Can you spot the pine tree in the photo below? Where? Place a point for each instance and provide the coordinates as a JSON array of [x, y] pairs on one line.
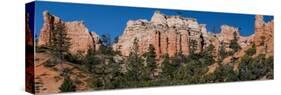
[[150, 60], [251, 51], [67, 85], [103, 70], [91, 60], [168, 68], [208, 54], [234, 43], [255, 68], [59, 43], [222, 52], [135, 64]]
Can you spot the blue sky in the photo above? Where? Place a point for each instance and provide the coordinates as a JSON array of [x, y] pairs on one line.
[[113, 19]]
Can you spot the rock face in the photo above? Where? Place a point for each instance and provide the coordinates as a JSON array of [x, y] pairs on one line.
[[168, 34], [174, 34], [80, 38], [263, 36], [226, 35]]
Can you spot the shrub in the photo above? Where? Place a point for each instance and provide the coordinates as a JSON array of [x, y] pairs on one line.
[[67, 85], [74, 58], [255, 68], [51, 62], [234, 44], [251, 51]]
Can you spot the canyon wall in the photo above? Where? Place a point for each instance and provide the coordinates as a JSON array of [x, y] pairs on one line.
[[80, 38], [169, 35], [175, 34]]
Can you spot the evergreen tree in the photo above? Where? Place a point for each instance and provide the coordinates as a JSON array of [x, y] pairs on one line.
[[91, 60], [222, 52], [104, 71], [60, 42], [224, 73], [234, 43], [67, 85], [251, 51], [244, 69], [255, 68], [169, 69], [207, 55], [150, 60], [181, 73], [136, 67]]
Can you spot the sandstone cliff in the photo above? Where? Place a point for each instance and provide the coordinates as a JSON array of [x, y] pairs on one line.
[[168, 34], [263, 36], [174, 34], [80, 38]]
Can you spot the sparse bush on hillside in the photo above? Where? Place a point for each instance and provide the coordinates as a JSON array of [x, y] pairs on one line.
[[67, 85], [234, 43], [223, 73], [255, 68], [251, 51], [75, 58], [51, 62]]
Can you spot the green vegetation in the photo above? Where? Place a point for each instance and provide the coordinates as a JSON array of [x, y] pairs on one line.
[[151, 64], [234, 44], [74, 58], [255, 68], [59, 43], [107, 69], [102, 66], [251, 51], [135, 65], [223, 73], [67, 85], [222, 52]]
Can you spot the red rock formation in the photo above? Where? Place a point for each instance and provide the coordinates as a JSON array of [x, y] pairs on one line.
[[172, 34], [81, 38], [263, 36], [168, 34], [226, 35]]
